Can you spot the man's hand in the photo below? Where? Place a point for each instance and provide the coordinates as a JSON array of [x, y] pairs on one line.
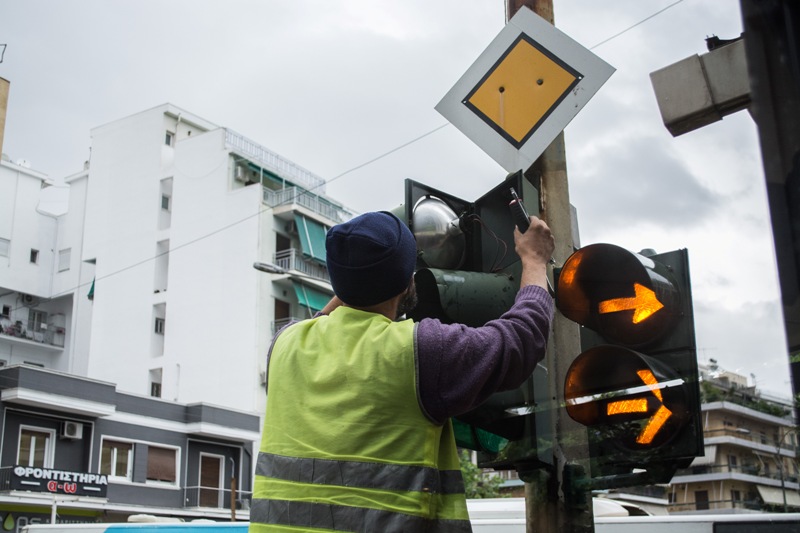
[[535, 249]]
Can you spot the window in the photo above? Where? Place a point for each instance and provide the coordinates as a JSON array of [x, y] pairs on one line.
[[5, 244], [169, 138], [34, 256], [35, 447], [165, 199], [155, 376], [6, 311], [37, 320], [161, 464], [116, 459], [159, 326], [736, 496], [732, 462], [63, 259]]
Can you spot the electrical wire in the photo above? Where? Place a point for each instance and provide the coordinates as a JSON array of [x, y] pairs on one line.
[[311, 190], [637, 24]]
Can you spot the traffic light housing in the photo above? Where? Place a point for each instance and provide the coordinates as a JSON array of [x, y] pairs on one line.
[[468, 273], [635, 384]]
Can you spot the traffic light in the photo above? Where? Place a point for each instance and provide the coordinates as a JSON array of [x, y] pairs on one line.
[[635, 384], [468, 273]]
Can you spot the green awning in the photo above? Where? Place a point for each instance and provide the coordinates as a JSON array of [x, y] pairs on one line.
[[91, 292], [314, 299], [312, 237]]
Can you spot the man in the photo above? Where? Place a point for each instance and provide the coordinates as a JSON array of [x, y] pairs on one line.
[[357, 434]]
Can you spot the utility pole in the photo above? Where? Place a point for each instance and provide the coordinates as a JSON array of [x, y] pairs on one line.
[[4, 86], [557, 499]]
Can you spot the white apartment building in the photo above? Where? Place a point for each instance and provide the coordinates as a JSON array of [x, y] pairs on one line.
[[163, 227]]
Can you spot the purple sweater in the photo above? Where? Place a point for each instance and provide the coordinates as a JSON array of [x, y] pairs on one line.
[[459, 366]]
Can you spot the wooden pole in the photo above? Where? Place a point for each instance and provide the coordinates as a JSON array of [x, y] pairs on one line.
[[554, 499], [4, 87]]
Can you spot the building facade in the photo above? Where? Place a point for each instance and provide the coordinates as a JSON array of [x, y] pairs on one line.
[[136, 318], [77, 450], [750, 460]]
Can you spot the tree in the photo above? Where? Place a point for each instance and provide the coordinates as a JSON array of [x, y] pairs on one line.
[[476, 483]]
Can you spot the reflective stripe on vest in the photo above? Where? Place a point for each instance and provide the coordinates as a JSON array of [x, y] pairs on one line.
[[360, 474], [350, 519]]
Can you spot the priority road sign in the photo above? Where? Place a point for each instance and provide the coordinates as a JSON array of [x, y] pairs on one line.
[[523, 90]]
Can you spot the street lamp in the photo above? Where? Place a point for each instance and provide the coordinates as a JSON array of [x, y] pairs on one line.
[[269, 268]]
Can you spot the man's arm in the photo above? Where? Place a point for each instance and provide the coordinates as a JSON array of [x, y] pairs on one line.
[[460, 367]]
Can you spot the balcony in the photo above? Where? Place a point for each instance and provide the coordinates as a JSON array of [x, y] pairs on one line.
[[745, 437], [271, 161], [749, 473], [281, 322], [216, 498], [51, 338], [296, 197], [293, 260]]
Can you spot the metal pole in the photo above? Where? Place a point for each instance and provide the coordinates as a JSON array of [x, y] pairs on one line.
[[555, 500]]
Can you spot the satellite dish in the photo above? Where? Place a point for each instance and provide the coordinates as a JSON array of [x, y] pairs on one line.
[[439, 238]]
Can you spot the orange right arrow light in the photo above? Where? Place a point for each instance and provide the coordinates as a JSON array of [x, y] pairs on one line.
[[643, 304], [639, 405]]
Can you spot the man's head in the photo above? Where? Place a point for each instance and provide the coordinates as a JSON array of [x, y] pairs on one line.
[[371, 258]]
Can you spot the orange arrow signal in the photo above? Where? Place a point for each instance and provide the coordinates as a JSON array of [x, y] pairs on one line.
[[644, 304], [639, 405]]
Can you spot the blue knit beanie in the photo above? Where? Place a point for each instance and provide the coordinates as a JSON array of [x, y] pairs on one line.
[[371, 258]]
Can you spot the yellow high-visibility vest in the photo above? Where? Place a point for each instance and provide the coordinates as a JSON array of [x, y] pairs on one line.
[[346, 445]]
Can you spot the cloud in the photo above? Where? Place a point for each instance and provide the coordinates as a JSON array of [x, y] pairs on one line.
[[640, 182]]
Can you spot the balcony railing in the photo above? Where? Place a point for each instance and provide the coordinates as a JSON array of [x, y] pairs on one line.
[[216, 498], [749, 504], [294, 196], [292, 259], [270, 160], [748, 436], [52, 336], [753, 470], [281, 322]]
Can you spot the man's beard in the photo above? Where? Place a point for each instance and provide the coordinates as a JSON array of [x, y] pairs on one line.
[[409, 301]]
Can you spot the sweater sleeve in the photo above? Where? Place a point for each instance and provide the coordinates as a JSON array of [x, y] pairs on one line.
[[460, 367]]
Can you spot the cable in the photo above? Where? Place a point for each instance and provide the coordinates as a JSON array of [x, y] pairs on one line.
[[311, 190], [301, 192], [638, 23]]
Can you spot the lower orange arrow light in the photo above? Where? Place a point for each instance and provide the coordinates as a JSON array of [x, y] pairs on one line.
[[639, 405], [643, 304]]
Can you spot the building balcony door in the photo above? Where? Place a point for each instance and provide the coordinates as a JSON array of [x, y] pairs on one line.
[[211, 474]]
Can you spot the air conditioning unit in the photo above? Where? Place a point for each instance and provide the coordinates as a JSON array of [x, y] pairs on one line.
[[71, 430], [291, 227], [28, 299], [240, 174]]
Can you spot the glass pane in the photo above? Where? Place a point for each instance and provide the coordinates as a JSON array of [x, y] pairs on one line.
[[24, 454], [105, 459], [123, 459], [33, 447]]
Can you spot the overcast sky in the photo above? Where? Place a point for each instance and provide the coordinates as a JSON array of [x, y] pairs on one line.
[[332, 85]]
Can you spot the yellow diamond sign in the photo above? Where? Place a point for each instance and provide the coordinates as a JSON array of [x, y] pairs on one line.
[[518, 93], [523, 90]]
